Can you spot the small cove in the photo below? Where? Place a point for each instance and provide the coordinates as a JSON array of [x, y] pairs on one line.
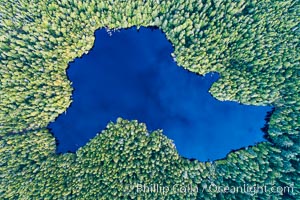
[[132, 75]]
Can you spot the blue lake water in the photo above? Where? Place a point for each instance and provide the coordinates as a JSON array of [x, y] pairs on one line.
[[132, 75]]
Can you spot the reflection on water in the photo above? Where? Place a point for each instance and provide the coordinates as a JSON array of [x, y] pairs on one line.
[[132, 75]]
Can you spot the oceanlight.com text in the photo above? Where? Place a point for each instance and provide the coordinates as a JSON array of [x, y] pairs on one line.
[[249, 189], [213, 188]]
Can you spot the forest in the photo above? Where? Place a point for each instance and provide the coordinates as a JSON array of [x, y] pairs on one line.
[[253, 45]]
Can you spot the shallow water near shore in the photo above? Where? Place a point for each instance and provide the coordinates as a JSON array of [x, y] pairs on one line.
[[131, 74]]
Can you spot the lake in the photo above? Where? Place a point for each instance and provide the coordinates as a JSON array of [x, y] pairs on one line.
[[131, 74]]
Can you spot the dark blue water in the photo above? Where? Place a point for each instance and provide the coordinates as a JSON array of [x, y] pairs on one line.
[[132, 75]]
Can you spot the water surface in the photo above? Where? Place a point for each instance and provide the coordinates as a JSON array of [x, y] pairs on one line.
[[131, 74]]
